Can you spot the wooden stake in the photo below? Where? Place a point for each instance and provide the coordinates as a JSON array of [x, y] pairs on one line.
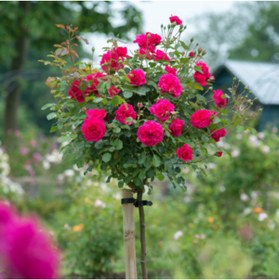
[[129, 237]]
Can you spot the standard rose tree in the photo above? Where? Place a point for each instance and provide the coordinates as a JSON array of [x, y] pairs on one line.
[[141, 114]]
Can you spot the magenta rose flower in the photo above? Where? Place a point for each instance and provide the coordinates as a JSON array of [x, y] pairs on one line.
[[169, 83], [185, 153], [26, 251], [217, 134], [176, 127], [113, 59], [161, 55], [170, 70], [137, 77], [93, 82], [191, 54], [204, 75], [150, 133], [176, 20], [202, 118], [113, 90], [219, 98], [93, 129], [162, 109], [125, 111], [148, 41], [96, 113], [75, 92]]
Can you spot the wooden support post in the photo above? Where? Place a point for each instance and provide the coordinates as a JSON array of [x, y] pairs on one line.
[[129, 237]]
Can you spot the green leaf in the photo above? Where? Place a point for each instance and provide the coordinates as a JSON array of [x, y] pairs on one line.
[[116, 100], [160, 176], [48, 105], [106, 157], [127, 94], [51, 116], [156, 161], [118, 144], [98, 100]]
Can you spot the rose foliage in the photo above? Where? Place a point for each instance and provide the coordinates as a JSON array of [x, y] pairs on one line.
[[139, 115]]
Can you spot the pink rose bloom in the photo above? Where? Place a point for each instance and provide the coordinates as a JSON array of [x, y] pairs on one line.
[[93, 129], [217, 134], [75, 92], [96, 113], [170, 70], [93, 82], [148, 41], [137, 77], [176, 20], [125, 111], [219, 99], [113, 91], [147, 53], [162, 109], [150, 133], [26, 251], [176, 127], [219, 154], [191, 54], [202, 118], [160, 55], [185, 153], [201, 78], [171, 84], [113, 59]]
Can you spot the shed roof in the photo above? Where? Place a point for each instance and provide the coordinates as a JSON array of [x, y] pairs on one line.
[[261, 78]]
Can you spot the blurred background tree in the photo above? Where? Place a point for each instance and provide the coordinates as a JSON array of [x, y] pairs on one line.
[[249, 32], [27, 30]]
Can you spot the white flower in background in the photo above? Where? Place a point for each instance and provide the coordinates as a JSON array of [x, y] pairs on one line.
[[7, 185], [222, 188], [262, 217], [254, 141], [239, 136], [211, 166], [224, 145], [235, 153], [265, 149], [261, 135], [69, 173], [99, 203], [254, 195], [200, 236], [46, 164], [178, 234], [244, 197], [54, 157], [247, 211], [271, 224], [117, 196]]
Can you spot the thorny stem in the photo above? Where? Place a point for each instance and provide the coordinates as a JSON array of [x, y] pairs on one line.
[[142, 236]]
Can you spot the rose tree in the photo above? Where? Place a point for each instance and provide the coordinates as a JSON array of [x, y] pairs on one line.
[[143, 114]]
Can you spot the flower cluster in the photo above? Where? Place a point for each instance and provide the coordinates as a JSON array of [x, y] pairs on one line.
[[146, 113], [25, 250]]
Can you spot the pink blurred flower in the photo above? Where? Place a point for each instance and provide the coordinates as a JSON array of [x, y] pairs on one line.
[[26, 251], [150, 133], [203, 75], [169, 83], [137, 77], [176, 20], [162, 109], [125, 111]]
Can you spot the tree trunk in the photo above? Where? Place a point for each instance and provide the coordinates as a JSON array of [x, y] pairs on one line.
[[17, 64], [129, 237], [142, 237]]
